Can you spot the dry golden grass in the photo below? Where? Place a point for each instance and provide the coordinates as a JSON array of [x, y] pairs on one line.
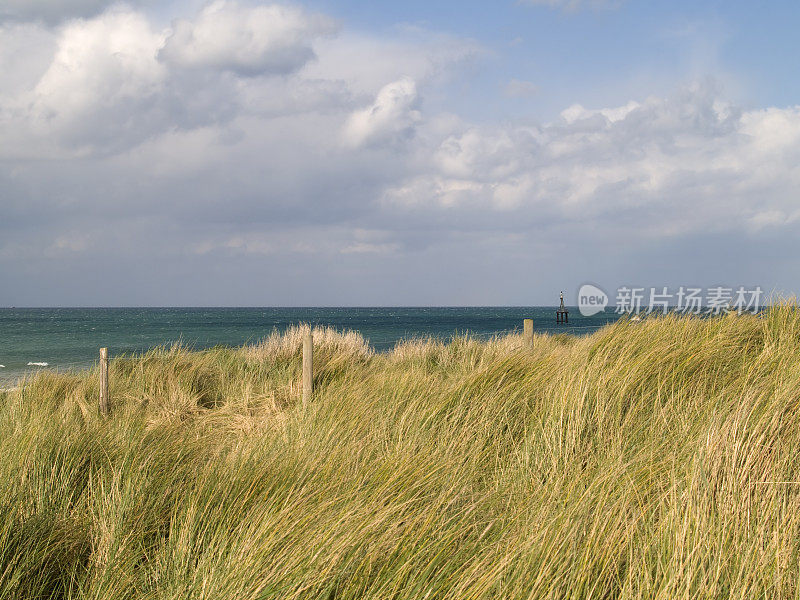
[[655, 459]]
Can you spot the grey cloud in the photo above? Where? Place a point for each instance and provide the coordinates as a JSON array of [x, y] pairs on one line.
[[55, 11], [243, 184]]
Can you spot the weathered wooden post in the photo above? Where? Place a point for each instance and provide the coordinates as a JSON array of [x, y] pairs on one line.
[[105, 402], [527, 333], [308, 367]]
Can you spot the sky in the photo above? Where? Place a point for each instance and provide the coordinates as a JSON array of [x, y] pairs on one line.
[[343, 153]]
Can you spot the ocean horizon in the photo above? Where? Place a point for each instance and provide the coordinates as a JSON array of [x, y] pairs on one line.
[[32, 339]]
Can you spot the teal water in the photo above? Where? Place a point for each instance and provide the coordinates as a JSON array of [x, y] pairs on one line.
[[69, 338]]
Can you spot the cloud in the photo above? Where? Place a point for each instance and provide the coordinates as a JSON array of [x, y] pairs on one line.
[[671, 166], [576, 112], [117, 79], [55, 11], [26, 51], [390, 119], [104, 82], [576, 5], [518, 88], [265, 39], [365, 63], [253, 143]]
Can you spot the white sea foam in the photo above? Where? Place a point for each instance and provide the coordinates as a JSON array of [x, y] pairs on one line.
[[38, 364], [2, 366]]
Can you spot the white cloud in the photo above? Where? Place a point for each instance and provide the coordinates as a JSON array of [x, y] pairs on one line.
[[518, 88], [576, 112], [487, 155], [678, 165], [112, 81], [574, 5], [369, 248], [104, 78], [391, 118], [264, 39]]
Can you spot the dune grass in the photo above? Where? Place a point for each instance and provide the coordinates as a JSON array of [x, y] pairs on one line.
[[656, 459]]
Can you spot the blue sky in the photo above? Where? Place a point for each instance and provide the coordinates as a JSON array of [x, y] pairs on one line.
[[243, 152], [603, 55]]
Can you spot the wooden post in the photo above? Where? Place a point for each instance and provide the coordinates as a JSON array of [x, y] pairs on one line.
[[105, 402], [527, 333], [308, 367]]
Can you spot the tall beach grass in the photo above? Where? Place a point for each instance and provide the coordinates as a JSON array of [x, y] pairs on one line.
[[655, 459]]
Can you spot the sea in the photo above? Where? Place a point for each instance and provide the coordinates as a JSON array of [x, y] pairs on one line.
[[32, 339]]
